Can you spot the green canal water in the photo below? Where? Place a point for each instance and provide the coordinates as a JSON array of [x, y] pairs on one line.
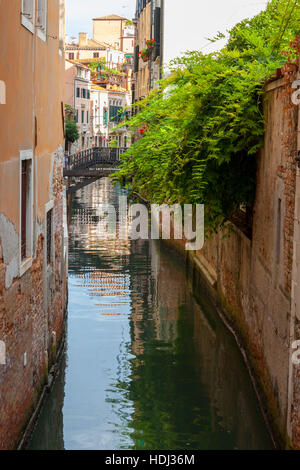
[[146, 366]]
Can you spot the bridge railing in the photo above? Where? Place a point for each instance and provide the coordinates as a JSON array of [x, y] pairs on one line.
[[90, 157]]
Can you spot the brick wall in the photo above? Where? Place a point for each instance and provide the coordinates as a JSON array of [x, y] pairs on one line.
[[30, 311]]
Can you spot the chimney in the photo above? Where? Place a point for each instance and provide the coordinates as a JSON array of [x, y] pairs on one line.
[[82, 39]]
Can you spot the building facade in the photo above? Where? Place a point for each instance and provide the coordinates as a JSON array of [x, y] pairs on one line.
[[90, 50], [78, 96], [147, 61], [118, 32], [33, 237], [109, 110], [100, 115], [119, 100]]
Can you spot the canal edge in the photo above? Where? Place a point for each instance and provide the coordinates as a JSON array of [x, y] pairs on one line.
[[51, 377], [192, 264]]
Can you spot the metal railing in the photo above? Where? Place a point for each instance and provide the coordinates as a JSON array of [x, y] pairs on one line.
[[94, 156]]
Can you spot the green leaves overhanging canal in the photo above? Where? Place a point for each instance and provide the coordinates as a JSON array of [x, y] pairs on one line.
[[201, 129]]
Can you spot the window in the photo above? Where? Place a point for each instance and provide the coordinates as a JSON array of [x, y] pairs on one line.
[[105, 116], [88, 94], [77, 92], [26, 210], [27, 15], [76, 117], [96, 55], [41, 21], [83, 93], [71, 56], [82, 117], [87, 117], [49, 236]]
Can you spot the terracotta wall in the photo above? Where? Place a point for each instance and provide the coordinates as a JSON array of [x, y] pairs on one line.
[[32, 298]]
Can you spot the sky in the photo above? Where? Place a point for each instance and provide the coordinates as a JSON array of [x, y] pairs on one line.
[[188, 28], [187, 23], [81, 12]]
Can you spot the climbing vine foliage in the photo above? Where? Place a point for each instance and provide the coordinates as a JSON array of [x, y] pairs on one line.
[[201, 129]]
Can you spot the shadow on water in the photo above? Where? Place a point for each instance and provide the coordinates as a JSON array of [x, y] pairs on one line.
[[146, 366]]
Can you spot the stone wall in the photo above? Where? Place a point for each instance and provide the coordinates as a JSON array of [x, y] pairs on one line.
[[253, 277]]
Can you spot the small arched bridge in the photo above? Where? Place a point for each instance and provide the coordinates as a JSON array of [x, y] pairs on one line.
[[84, 167]]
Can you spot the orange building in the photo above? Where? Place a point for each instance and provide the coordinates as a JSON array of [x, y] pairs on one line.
[[33, 237]]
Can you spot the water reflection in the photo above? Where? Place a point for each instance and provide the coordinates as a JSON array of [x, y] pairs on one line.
[[148, 367]]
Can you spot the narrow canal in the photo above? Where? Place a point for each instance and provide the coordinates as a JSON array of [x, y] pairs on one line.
[[146, 365]]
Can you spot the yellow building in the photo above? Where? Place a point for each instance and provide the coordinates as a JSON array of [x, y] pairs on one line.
[[90, 50], [118, 32], [33, 238], [86, 49]]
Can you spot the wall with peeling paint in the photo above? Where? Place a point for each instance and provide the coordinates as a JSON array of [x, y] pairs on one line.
[[32, 299]]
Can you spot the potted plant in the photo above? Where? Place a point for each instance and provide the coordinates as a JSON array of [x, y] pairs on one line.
[[146, 53]]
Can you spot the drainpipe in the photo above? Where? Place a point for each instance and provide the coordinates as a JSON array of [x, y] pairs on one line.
[[295, 295]]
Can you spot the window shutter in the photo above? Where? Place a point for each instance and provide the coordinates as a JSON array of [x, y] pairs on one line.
[[28, 9], [136, 59], [49, 236], [42, 15], [24, 208], [61, 24], [157, 25]]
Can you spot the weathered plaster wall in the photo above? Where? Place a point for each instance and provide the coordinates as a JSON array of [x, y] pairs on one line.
[[143, 33], [253, 278], [108, 31], [32, 303], [294, 382]]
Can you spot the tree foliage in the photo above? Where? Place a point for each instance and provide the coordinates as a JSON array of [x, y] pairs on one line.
[[204, 125], [72, 133]]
